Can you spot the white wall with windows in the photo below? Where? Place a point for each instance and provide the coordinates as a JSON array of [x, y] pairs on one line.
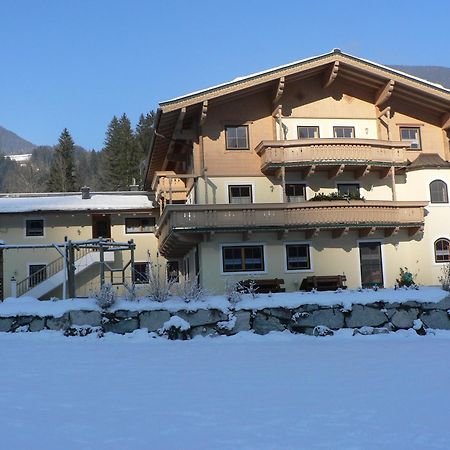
[[363, 128]]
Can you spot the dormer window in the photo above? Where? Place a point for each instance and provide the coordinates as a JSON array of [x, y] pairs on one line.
[[344, 132], [411, 135], [236, 137]]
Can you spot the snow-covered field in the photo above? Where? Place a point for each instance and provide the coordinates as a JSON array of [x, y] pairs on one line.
[[279, 391]]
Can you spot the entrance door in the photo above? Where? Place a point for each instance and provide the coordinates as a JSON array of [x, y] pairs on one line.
[[101, 226], [371, 264]]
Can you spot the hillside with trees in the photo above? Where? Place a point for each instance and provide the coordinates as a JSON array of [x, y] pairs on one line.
[[67, 167]]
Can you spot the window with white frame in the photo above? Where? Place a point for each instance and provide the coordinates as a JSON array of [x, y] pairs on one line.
[[438, 192], [411, 135], [34, 227], [295, 192], [236, 137], [307, 132], [344, 132], [297, 257], [243, 258], [442, 250], [241, 193]]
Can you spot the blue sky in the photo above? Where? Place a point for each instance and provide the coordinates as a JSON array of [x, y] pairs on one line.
[[77, 63]]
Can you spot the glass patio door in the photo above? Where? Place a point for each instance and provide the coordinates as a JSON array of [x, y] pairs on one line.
[[371, 264]]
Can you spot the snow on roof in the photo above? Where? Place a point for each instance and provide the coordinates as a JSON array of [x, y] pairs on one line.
[[300, 61], [99, 202]]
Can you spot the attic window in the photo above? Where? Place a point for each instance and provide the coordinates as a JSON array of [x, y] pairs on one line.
[[236, 137], [411, 135]]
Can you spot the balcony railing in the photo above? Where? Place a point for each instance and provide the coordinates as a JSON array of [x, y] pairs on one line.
[[172, 187], [323, 215], [353, 153]]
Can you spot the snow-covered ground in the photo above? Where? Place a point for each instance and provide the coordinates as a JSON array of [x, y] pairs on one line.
[[279, 391]]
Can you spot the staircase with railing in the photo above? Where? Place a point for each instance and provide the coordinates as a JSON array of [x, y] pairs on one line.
[[52, 275]]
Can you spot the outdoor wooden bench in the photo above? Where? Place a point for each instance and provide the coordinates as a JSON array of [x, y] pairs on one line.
[[324, 283], [264, 286]]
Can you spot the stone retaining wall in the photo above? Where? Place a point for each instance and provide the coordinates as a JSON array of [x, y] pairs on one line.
[[303, 319]]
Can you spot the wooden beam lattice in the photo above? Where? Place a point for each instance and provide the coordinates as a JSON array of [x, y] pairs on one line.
[[331, 74], [385, 93]]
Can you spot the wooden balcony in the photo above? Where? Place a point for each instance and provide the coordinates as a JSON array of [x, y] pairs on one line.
[[171, 187], [183, 226], [361, 156]]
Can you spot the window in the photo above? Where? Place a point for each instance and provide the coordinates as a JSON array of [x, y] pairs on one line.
[[37, 274], [411, 135], [307, 132], [295, 193], [442, 250], [297, 257], [344, 132], [140, 273], [249, 258], [236, 137], [438, 192], [240, 194], [139, 224], [173, 271], [350, 190], [34, 227]]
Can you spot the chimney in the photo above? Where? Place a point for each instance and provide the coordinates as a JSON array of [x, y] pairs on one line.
[[133, 186], [85, 193]]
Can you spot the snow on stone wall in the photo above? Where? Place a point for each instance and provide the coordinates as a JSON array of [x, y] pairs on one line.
[[368, 318]]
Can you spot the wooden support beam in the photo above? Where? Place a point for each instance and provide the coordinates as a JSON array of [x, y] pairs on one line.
[[279, 91], [384, 172], [331, 74], [388, 232], [385, 112], [365, 232], [176, 130], [246, 235], [414, 230], [339, 232], [309, 234], [359, 173], [335, 171], [185, 135], [384, 93], [204, 113], [446, 121], [310, 171], [282, 234]]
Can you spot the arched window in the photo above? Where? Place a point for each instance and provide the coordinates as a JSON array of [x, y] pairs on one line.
[[442, 250], [438, 192]]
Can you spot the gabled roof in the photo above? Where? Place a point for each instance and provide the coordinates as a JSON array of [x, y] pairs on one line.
[[298, 66], [377, 78]]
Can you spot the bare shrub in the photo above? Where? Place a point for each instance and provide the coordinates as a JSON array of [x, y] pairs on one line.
[[444, 279], [106, 296], [190, 290]]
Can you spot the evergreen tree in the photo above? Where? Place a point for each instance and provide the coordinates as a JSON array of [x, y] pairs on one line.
[[121, 155], [144, 134], [62, 172]]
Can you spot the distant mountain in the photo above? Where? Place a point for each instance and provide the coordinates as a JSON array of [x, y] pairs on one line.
[[10, 143], [434, 74]]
